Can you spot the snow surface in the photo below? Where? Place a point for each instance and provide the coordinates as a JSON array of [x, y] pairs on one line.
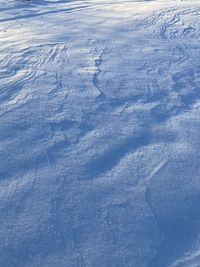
[[99, 133]]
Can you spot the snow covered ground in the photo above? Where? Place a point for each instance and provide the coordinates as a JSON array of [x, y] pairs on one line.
[[99, 133]]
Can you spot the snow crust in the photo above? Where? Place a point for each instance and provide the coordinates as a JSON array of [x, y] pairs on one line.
[[99, 133]]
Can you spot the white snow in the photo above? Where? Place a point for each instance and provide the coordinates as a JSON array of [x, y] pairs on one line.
[[99, 133]]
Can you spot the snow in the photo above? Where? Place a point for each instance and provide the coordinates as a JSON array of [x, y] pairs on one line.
[[99, 133]]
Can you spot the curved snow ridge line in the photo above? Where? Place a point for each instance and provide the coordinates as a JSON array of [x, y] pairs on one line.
[[171, 93], [45, 57], [191, 259], [58, 53], [152, 19], [175, 27], [112, 155], [107, 155], [25, 72], [13, 85], [97, 64], [158, 168], [16, 77], [182, 50], [51, 61], [181, 61], [163, 23]]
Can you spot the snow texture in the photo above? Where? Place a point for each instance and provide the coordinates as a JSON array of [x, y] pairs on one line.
[[99, 133]]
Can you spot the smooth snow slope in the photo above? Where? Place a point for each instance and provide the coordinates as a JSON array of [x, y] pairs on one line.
[[99, 133]]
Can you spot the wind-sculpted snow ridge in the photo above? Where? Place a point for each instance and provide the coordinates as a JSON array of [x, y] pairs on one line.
[[99, 133]]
